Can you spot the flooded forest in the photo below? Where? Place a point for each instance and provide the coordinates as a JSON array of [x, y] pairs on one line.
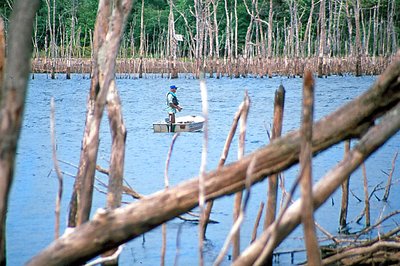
[[209, 39]]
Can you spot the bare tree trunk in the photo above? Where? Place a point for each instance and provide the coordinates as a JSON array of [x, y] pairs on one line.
[[211, 48], [393, 35], [345, 194], [200, 29], [53, 42], [322, 39], [337, 31], [279, 104], [307, 32], [366, 197], [371, 141], [88, 157], [307, 217], [12, 100], [376, 25], [172, 41], [71, 39], [106, 50], [142, 41], [118, 134], [228, 51], [359, 51], [216, 35], [350, 27], [270, 30], [247, 42], [236, 30]]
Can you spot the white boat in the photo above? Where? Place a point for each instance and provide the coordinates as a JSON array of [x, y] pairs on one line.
[[189, 123]]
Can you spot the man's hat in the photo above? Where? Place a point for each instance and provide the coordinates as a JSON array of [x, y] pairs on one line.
[[173, 87]]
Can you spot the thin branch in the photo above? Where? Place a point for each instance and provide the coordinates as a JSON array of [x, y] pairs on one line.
[[166, 184], [240, 217], [202, 191], [389, 181], [56, 167]]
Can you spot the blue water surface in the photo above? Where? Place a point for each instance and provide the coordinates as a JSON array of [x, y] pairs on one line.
[[31, 217]]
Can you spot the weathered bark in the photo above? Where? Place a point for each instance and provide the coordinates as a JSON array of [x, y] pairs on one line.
[[239, 195], [88, 169], [359, 50], [371, 141], [307, 33], [126, 223], [279, 104], [216, 31], [389, 181], [249, 32], [118, 134], [108, 43], [52, 27], [270, 30], [172, 42], [345, 195], [273, 180], [142, 40], [350, 27], [366, 197], [307, 217], [12, 96], [322, 39], [228, 51], [376, 250]]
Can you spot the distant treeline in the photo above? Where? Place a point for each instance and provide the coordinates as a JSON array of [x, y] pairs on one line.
[[227, 29]]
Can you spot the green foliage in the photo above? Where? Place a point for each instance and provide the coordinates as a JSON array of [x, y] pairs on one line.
[[156, 14]]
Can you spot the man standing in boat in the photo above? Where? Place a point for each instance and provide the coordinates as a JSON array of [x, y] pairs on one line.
[[172, 103]]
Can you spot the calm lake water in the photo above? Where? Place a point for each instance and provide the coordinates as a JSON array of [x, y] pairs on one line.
[[30, 224]]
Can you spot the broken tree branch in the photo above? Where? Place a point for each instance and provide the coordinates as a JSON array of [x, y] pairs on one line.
[[371, 141]]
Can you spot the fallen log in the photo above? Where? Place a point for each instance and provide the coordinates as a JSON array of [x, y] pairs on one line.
[[109, 229], [372, 140]]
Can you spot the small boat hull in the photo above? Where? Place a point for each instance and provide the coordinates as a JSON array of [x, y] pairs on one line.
[[190, 123]]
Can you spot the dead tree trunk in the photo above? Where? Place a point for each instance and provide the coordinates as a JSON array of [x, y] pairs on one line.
[[345, 195], [172, 42], [270, 30], [307, 198], [118, 134], [307, 33], [12, 100], [359, 51], [90, 139], [107, 45], [142, 41], [270, 215], [322, 39], [276, 133], [372, 140]]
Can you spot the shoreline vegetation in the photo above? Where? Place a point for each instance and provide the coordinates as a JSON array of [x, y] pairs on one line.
[[217, 68]]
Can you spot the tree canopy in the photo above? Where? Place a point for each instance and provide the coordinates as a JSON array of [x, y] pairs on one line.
[[228, 28]]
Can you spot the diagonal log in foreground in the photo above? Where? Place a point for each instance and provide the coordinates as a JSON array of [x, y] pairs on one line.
[[109, 229], [278, 231]]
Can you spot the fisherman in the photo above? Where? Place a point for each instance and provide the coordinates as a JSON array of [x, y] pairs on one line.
[[172, 103]]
